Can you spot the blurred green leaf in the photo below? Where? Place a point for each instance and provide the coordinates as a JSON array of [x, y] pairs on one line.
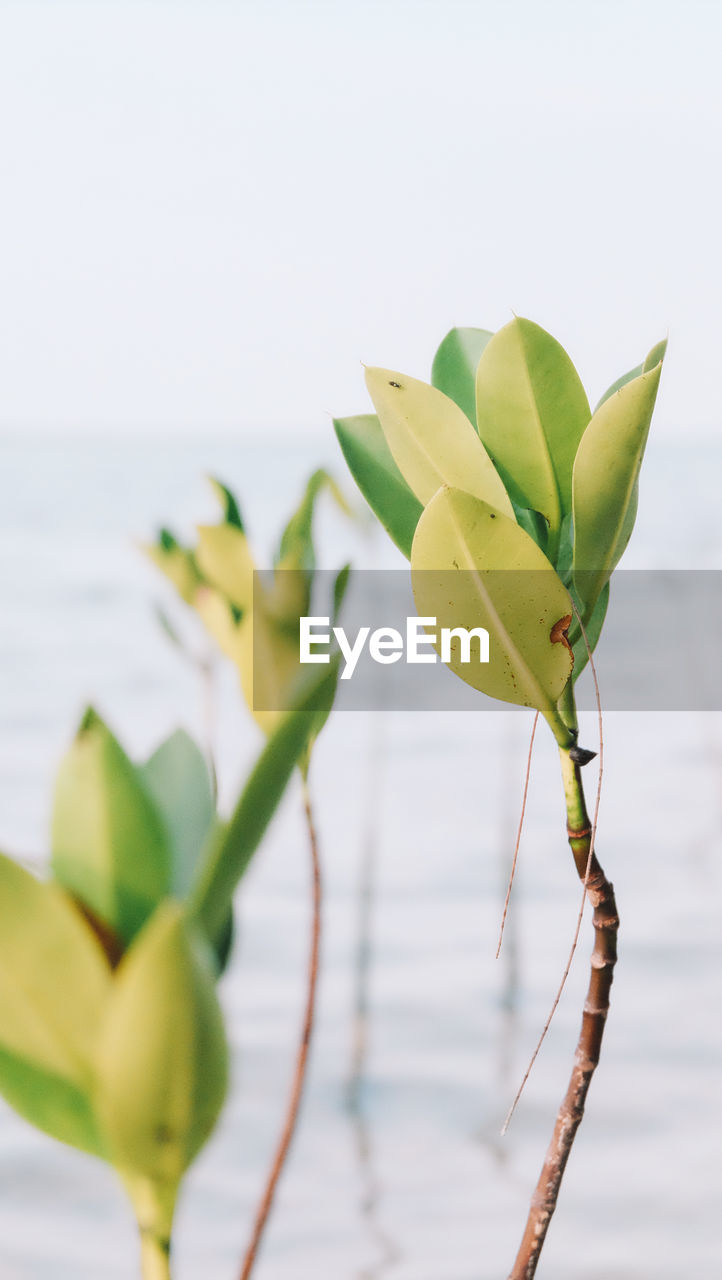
[[432, 441], [296, 550], [606, 483], [230, 854], [171, 632], [177, 779], [373, 468], [229, 505], [176, 562], [455, 364], [531, 413], [50, 1102], [340, 587], [473, 567], [162, 1059], [225, 560], [110, 848], [54, 980]]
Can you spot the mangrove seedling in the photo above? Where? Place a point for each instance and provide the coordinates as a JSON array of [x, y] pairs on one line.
[[111, 1035], [514, 503], [254, 618]]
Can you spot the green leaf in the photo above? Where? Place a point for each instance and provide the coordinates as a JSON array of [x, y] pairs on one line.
[[606, 482], [296, 550], [177, 563], [177, 779], [230, 855], [162, 1059], [432, 441], [531, 414], [373, 468], [455, 365], [619, 383], [473, 567], [593, 627], [110, 848], [54, 980], [655, 356], [50, 1102], [231, 509], [340, 587]]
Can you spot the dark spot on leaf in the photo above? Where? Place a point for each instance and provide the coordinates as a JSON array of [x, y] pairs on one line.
[[396, 384]]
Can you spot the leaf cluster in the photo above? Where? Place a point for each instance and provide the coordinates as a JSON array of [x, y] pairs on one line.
[[496, 470], [253, 616], [111, 1034]]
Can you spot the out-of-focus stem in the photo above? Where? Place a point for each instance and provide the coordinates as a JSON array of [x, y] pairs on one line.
[[153, 1206], [299, 1074]]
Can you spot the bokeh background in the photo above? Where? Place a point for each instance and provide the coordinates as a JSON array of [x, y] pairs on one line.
[[211, 213]]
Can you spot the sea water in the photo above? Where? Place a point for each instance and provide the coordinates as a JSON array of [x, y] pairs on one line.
[[398, 1169]]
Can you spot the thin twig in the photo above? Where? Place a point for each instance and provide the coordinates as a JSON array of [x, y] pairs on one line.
[[518, 837], [207, 670], [299, 1074], [580, 913], [596, 1006], [388, 1251]]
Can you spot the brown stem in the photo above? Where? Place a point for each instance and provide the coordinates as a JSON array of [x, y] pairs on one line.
[[596, 1006], [299, 1074]]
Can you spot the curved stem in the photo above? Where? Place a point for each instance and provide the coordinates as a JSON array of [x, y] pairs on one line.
[[596, 1006], [154, 1258], [299, 1075], [153, 1205]]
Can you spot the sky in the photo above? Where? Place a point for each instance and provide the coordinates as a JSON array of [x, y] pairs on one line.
[[213, 212]]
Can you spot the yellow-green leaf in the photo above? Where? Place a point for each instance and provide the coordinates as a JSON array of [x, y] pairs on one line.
[[162, 1059], [432, 440], [176, 562], [653, 358], [110, 846], [225, 560], [473, 567], [606, 481], [531, 413], [54, 980]]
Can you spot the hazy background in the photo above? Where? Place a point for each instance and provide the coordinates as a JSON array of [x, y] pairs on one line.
[[213, 211]]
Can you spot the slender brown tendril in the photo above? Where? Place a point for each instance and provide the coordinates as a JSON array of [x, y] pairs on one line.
[[518, 837], [580, 913], [299, 1074]]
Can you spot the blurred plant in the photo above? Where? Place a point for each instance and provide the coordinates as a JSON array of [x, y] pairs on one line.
[[254, 618], [111, 1034], [514, 503]]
